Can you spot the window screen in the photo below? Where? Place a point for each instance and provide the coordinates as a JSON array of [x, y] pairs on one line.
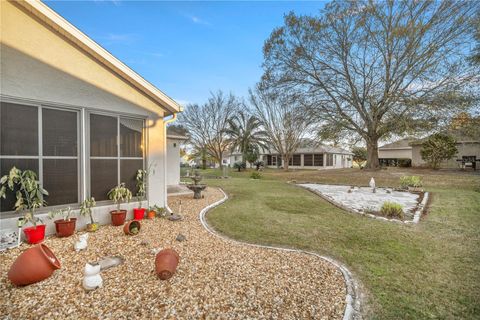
[[308, 160], [59, 132], [318, 159], [297, 160], [19, 130], [60, 179], [109, 164]]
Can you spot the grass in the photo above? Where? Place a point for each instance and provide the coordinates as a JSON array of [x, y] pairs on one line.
[[427, 271]]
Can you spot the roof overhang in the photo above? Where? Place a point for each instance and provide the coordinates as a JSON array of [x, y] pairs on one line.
[[62, 26]]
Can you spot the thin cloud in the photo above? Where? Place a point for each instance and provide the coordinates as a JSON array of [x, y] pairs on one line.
[[115, 2], [183, 103], [198, 20]]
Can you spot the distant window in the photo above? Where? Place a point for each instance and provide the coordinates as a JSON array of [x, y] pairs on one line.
[[318, 159], [330, 157], [297, 160], [308, 160]]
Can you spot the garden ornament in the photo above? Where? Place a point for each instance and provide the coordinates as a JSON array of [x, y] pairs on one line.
[[372, 185], [81, 244], [92, 279]]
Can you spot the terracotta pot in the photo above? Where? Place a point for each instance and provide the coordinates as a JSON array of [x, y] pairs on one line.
[[151, 214], [36, 234], [138, 213], [129, 227], [65, 228], [118, 217], [166, 263], [92, 227], [33, 265]]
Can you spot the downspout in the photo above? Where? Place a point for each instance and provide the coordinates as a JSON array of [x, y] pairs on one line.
[[165, 122]]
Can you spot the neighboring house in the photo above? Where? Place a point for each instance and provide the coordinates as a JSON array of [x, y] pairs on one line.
[[74, 114], [175, 137], [394, 153], [468, 151], [318, 157], [409, 149]]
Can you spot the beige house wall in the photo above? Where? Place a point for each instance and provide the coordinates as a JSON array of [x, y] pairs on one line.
[[395, 153], [464, 149]]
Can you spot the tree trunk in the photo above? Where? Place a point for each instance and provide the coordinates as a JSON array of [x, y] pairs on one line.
[[372, 154], [285, 162], [204, 163]]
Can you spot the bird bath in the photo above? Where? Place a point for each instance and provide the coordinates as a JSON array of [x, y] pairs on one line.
[[196, 187]]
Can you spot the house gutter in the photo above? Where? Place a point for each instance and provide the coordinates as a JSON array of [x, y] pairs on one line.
[[172, 118]]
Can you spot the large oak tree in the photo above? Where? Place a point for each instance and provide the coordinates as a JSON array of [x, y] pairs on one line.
[[375, 68]]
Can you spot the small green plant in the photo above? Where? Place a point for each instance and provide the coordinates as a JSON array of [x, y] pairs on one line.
[[239, 165], [86, 208], [141, 185], [392, 210], [255, 175], [65, 213], [411, 181], [159, 211], [28, 192], [120, 194]]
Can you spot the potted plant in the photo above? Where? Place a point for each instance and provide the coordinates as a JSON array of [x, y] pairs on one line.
[[64, 227], [86, 210], [29, 195], [118, 195], [411, 183], [132, 227], [156, 211], [139, 213]]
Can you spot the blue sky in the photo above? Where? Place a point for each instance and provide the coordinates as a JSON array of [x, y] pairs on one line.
[[186, 49]]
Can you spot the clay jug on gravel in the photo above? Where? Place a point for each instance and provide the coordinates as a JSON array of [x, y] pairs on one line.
[[166, 263], [33, 265]]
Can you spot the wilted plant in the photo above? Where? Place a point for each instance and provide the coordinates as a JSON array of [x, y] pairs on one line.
[[120, 194]]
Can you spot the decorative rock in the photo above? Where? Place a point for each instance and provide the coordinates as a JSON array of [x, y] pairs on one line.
[[175, 217], [180, 237], [81, 244], [92, 279], [109, 262], [145, 243]]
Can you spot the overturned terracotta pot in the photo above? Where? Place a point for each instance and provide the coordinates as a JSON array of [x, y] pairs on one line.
[[166, 263], [132, 227], [33, 265]]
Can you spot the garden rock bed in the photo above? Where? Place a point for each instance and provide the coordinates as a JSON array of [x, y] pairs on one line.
[[215, 278], [362, 200]]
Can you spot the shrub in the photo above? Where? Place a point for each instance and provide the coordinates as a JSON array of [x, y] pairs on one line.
[[239, 165], [392, 210], [255, 175], [410, 181], [438, 147]]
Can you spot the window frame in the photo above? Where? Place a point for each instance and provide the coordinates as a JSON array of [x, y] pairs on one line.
[[119, 158], [40, 157]]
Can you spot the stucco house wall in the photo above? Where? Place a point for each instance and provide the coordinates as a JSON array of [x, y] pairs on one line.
[[41, 66], [464, 149], [403, 153], [173, 161]]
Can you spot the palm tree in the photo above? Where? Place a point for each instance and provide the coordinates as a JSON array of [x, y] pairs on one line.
[[246, 134]]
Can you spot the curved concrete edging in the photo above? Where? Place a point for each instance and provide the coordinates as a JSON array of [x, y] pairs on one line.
[[352, 300]]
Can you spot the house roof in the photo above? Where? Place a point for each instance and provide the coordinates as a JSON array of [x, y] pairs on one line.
[[458, 135], [102, 56], [400, 144], [175, 132]]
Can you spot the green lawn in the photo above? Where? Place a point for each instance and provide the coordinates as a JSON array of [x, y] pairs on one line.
[[430, 270]]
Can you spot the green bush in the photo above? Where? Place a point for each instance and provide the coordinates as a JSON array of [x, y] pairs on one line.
[[392, 210], [239, 165], [255, 175], [410, 181]]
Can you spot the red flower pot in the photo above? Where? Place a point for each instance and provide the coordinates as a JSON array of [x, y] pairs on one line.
[[166, 263], [138, 213], [151, 214], [36, 234], [65, 228], [33, 265], [118, 217], [129, 227]]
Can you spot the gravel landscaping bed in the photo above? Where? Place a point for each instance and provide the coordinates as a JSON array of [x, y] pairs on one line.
[[215, 278]]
